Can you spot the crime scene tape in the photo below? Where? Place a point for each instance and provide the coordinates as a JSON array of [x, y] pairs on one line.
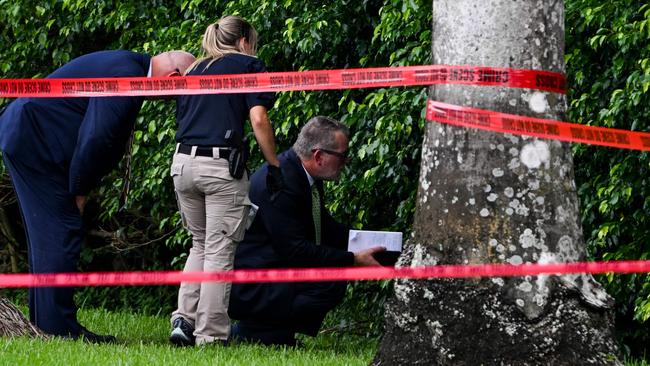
[[317, 274], [285, 81], [341, 79], [550, 129]]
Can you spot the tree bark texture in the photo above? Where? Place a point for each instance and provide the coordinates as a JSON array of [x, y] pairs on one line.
[[497, 198], [14, 324]]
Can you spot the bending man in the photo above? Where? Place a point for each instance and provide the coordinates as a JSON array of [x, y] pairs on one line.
[[56, 150]]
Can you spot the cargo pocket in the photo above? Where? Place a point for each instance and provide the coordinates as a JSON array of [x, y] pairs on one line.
[[176, 172], [180, 211], [176, 169], [233, 223]]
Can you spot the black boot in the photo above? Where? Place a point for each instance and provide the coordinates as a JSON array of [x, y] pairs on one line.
[[90, 337]]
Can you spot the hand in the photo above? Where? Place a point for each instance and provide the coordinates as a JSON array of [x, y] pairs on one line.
[[81, 203], [365, 258], [274, 181]]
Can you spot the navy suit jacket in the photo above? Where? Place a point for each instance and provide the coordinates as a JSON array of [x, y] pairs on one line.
[[84, 138], [282, 236]]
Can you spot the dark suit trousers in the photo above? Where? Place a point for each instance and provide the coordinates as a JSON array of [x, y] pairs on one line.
[[54, 233], [309, 306], [312, 303]]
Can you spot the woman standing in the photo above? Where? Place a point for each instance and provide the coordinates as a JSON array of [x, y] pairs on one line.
[[209, 176]]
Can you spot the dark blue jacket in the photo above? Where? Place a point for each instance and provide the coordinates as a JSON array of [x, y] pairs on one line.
[[282, 236], [82, 137]]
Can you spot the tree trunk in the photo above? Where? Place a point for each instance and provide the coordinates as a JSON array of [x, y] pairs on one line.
[[13, 323], [497, 198]]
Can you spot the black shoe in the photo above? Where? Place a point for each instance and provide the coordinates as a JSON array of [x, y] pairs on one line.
[[90, 337], [182, 333]]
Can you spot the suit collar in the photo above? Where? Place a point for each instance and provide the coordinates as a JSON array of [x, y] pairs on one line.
[[310, 179]]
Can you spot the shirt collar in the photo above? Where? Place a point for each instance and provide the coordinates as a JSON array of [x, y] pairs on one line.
[[309, 177]]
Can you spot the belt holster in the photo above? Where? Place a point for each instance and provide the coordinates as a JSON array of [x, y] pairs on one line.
[[237, 160]]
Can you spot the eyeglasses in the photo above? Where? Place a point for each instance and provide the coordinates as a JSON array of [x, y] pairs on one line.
[[342, 156]]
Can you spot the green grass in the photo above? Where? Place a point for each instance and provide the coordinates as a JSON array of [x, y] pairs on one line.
[[142, 340], [636, 362]]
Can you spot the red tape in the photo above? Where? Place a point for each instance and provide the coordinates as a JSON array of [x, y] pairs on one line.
[[285, 81], [342, 79], [550, 129], [317, 274]]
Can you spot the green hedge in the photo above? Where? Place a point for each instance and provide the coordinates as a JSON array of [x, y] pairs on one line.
[[378, 189], [608, 59]]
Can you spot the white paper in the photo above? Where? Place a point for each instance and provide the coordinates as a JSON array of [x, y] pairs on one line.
[[251, 215], [363, 239]]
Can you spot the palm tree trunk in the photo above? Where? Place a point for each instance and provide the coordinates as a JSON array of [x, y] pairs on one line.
[[495, 198]]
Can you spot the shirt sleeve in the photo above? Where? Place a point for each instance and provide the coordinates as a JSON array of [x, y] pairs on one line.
[[254, 99], [102, 139]]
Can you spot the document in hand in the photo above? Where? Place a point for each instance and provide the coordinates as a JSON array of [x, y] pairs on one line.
[[363, 239]]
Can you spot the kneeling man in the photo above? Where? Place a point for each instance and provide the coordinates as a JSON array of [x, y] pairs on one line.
[[293, 229]]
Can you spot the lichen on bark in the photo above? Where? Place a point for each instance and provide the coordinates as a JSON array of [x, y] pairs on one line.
[[497, 198]]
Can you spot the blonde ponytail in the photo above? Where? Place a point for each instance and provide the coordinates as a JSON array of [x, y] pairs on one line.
[[222, 38]]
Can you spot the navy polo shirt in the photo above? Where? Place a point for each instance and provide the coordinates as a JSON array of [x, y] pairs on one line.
[[203, 120]]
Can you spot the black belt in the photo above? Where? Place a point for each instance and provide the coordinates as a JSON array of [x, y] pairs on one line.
[[224, 153]]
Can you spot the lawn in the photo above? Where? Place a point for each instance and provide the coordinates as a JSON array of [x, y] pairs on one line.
[[142, 340]]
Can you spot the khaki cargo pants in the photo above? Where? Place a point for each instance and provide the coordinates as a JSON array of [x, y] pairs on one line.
[[214, 208]]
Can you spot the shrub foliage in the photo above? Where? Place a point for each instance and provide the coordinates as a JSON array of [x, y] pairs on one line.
[[608, 58], [608, 62]]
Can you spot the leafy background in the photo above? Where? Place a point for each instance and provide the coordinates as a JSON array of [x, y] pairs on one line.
[[608, 60]]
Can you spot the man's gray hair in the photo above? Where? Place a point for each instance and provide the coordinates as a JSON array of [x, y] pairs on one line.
[[319, 132]]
